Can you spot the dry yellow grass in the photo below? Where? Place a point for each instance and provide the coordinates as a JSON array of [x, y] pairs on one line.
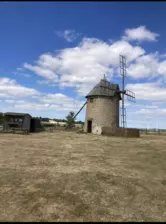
[[64, 176]]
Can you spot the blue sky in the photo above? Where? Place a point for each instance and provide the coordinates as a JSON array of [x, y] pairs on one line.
[[53, 53]]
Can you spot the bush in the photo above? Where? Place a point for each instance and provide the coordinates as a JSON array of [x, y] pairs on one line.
[[70, 119]]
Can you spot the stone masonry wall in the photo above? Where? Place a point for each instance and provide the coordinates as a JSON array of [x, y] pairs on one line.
[[121, 132], [103, 112]]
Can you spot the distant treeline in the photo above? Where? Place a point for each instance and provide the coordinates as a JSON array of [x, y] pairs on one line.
[[152, 129], [2, 118], [58, 120]]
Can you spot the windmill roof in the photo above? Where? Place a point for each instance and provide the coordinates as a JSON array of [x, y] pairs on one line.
[[104, 88]]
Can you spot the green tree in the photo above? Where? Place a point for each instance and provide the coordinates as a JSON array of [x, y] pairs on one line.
[[70, 119], [1, 117]]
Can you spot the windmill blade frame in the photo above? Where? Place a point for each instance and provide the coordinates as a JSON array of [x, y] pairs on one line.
[[130, 96]]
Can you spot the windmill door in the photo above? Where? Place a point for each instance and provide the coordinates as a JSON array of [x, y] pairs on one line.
[[89, 126]]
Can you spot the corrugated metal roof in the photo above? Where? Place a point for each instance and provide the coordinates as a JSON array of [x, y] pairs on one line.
[[104, 88], [16, 114]]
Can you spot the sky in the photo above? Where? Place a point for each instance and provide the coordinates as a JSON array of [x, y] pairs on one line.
[[53, 53]]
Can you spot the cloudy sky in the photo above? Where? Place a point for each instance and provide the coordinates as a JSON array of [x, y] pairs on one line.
[[52, 54]]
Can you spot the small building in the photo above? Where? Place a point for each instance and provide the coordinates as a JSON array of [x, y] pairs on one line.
[[102, 109], [36, 125], [17, 120]]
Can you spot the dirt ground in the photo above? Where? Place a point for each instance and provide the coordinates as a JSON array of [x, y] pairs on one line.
[[65, 176]]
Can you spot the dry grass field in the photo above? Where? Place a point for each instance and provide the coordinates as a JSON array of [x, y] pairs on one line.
[[65, 176]]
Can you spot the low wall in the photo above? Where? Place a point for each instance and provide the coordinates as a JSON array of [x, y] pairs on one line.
[[121, 132]]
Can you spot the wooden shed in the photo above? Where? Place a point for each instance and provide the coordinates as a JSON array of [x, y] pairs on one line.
[[17, 120], [36, 125]]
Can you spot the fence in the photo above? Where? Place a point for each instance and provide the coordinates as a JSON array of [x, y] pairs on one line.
[[153, 131]]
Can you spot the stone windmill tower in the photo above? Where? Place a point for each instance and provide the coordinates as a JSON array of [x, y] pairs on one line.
[[102, 106]]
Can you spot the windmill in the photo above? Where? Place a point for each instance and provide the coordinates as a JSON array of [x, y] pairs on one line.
[[108, 88]]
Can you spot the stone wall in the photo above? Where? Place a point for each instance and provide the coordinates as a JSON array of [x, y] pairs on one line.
[[103, 111], [121, 132]]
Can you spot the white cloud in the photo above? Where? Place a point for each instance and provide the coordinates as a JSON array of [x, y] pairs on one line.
[[148, 91], [21, 98], [22, 74], [61, 102], [46, 82], [152, 113], [145, 66], [162, 55], [47, 103], [20, 69], [27, 75], [150, 106], [162, 68], [140, 33], [130, 105], [146, 115], [10, 88], [45, 73], [84, 65], [68, 35], [14, 101]]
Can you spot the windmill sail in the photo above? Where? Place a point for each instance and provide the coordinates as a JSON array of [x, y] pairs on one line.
[[130, 95]]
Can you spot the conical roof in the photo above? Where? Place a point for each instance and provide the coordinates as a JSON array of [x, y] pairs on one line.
[[104, 88]]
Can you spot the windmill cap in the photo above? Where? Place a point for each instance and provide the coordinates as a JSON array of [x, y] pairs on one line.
[[104, 88]]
